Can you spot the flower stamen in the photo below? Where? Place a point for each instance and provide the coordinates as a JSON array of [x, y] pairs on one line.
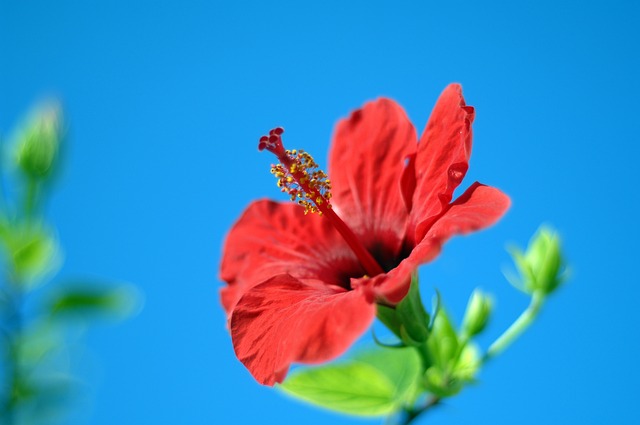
[[299, 176]]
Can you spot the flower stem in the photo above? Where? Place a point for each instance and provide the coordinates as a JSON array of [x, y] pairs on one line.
[[30, 197], [13, 323], [517, 328], [411, 414]]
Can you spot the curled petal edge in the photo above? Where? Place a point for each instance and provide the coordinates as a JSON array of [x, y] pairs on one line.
[[285, 320]]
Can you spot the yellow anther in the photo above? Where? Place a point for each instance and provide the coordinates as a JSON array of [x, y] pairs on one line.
[[298, 176]]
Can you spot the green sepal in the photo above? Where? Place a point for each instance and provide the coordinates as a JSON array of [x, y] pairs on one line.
[[454, 362], [384, 344], [443, 344], [437, 303], [389, 317], [413, 318]]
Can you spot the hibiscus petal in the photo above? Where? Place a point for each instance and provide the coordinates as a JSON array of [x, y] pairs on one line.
[[442, 158], [272, 238], [366, 161], [478, 207], [285, 320], [391, 287]]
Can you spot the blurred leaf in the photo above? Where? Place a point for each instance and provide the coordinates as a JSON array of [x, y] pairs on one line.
[[32, 250], [354, 388], [35, 342], [88, 300], [34, 255], [401, 366], [48, 401]]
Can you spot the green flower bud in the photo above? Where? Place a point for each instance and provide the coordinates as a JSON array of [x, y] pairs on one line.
[[541, 267], [448, 380], [477, 315], [454, 361], [38, 144]]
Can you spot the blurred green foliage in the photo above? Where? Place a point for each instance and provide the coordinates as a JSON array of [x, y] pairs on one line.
[[36, 380]]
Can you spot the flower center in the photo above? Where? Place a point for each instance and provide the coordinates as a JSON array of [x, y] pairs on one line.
[[299, 176]]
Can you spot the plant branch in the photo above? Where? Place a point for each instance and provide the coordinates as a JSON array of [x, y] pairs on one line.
[[412, 414], [517, 328]]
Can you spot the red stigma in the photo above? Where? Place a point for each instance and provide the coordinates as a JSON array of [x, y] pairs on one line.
[[272, 142]]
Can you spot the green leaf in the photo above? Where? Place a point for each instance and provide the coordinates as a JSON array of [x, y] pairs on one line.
[[36, 342], [401, 366], [33, 252], [355, 388], [93, 300]]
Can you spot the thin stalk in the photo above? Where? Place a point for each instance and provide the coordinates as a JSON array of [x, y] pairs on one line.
[[30, 197], [411, 415], [517, 328], [13, 321], [3, 196]]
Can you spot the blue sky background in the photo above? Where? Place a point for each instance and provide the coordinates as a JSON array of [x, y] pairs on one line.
[[165, 103]]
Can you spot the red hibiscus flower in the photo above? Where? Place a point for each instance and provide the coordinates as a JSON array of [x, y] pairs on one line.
[[303, 287]]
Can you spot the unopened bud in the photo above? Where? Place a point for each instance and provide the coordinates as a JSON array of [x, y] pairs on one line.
[[541, 267], [478, 312], [38, 144]]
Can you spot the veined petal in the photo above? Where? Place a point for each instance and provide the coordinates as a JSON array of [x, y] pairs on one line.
[[366, 162], [442, 158], [272, 238], [478, 207], [285, 320]]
